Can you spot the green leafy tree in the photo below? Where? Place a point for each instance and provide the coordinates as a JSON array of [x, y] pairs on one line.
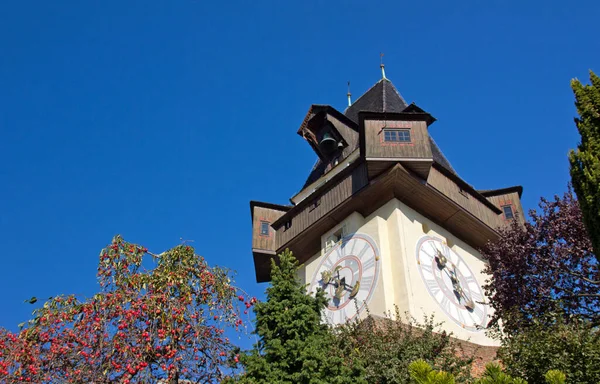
[[493, 375], [555, 376], [388, 345], [571, 347], [585, 161], [294, 345], [422, 373]]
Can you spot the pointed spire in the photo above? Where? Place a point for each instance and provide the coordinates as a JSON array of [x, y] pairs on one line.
[[382, 66], [349, 95], [381, 97]]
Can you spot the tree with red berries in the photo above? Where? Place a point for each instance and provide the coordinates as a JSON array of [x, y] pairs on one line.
[[163, 324], [545, 267]]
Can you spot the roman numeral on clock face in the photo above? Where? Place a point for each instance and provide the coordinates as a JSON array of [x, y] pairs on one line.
[[351, 243], [370, 263], [366, 282], [478, 312], [433, 287], [477, 298], [461, 317], [444, 303], [330, 315], [471, 282], [341, 315], [362, 252], [426, 267]]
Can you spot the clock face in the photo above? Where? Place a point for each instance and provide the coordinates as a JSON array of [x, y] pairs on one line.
[[451, 283], [348, 274]]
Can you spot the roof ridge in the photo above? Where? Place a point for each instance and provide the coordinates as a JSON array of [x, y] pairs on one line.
[[448, 165], [396, 90], [383, 98], [364, 93]]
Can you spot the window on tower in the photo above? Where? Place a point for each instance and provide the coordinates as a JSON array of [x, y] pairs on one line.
[[334, 238], [264, 228], [508, 212], [396, 135], [315, 204]]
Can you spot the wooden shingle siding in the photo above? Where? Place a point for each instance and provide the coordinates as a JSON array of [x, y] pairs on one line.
[[350, 135], [321, 203], [259, 241], [463, 198], [514, 201], [400, 183], [375, 146]]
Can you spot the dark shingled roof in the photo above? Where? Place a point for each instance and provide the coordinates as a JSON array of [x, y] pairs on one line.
[[381, 97], [316, 172], [439, 157], [502, 191]]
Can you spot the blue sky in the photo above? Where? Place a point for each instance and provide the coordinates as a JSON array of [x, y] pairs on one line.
[[161, 120]]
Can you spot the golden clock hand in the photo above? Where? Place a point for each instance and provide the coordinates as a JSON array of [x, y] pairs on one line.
[[452, 276], [468, 301], [457, 287], [440, 258], [355, 289], [326, 277], [339, 291]]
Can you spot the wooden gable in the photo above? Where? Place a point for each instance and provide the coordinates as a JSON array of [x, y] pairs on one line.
[[323, 119], [507, 199], [264, 236], [413, 151]]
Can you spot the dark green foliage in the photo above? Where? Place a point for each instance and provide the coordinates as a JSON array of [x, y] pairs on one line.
[[585, 161], [573, 348], [388, 345], [294, 345]]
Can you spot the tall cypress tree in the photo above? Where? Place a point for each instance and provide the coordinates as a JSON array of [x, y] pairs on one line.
[[585, 161], [294, 345]]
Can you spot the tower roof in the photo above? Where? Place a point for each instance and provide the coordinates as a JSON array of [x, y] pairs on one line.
[[382, 97]]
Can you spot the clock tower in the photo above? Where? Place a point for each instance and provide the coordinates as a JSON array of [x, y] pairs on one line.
[[384, 220]]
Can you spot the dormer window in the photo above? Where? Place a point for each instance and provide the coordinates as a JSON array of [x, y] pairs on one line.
[[508, 212], [264, 228], [396, 135]]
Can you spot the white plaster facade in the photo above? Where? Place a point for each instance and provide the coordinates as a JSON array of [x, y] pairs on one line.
[[396, 228]]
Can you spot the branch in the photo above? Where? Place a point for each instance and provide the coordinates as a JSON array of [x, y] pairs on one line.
[[579, 275], [575, 295]]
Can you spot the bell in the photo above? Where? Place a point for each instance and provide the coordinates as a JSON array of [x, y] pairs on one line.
[[328, 144]]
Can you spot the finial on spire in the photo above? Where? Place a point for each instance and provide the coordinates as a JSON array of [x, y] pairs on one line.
[[349, 95], [382, 66]]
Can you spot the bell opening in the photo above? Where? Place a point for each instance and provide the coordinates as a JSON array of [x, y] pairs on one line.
[[328, 144]]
